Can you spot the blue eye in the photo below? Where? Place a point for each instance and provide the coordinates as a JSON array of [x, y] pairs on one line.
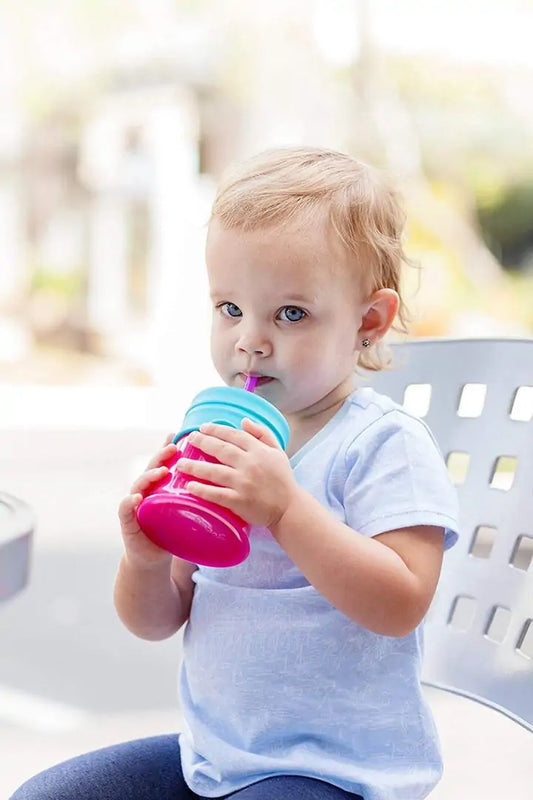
[[292, 314], [230, 310]]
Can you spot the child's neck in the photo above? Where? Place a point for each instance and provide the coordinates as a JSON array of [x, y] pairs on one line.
[[304, 426]]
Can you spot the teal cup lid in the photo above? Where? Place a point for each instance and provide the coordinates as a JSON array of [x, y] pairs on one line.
[[228, 405]]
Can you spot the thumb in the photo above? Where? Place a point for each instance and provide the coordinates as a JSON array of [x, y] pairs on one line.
[[260, 432], [127, 513]]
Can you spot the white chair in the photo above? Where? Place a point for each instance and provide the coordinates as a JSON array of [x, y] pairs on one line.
[[477, 398]]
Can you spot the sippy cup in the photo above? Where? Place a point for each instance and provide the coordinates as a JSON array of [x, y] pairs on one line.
[[190, 527]]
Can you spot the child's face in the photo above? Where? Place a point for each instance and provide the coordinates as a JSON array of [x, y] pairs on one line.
[[286, 308]]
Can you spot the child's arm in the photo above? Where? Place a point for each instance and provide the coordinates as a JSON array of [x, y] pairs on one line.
[[384, 583], [153, 590], [154, 601]]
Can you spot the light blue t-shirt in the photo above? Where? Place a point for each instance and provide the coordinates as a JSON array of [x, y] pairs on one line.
[[275, 680]]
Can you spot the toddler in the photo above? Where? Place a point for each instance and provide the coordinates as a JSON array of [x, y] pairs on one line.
[[300, 673]]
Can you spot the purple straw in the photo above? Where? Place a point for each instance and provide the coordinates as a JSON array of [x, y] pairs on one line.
[[250, 383]]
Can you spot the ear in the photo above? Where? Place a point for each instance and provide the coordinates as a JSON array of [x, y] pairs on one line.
[[379, 312]]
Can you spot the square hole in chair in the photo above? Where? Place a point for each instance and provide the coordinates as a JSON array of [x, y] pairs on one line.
[[503, 473], [522, 407], [525, 641], [472, 400], [458, 464], [462, 613], [498, 624], [522, 553], [483, 541], [416, 398]]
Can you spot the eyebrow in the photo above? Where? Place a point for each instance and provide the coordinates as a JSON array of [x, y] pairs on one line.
[[288, 298], [301, 298]]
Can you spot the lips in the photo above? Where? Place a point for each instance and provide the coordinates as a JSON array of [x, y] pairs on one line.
[[261, 379]]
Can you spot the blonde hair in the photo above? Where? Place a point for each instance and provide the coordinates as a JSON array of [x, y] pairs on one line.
[[292, 184]]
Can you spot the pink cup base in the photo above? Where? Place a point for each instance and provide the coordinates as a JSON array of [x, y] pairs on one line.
[[194, 530]]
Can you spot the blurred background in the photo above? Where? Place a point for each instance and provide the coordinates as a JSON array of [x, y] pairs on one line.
[[117, 118], [119, 115]]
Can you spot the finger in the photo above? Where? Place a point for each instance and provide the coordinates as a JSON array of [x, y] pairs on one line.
[[260, 432], [225, 433], [147, 479], [127, 514], [215, 473], [225, 452], [219, 495], [163, 456]]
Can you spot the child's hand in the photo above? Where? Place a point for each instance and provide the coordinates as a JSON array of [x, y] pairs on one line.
[[139, 548], [254, 478]]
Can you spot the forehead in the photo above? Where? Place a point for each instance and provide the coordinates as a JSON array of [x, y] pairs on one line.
[[301, 259]]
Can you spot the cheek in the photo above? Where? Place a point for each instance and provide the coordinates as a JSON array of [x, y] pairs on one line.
[[303, 351], [221, 345], [215, 344], [327, 358], [327, 348]]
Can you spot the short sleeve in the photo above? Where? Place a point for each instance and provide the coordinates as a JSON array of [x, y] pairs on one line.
[[397, 478]]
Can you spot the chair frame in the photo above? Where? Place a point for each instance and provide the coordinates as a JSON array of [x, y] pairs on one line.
[[467, 658], [16, 532]]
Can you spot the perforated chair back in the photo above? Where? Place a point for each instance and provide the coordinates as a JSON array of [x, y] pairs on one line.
[[477, 398]]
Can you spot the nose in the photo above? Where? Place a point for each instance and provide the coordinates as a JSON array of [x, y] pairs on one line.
[[253, 342]]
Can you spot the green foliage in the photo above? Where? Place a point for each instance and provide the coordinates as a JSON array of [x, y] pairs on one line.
[[507, 223], [67, 285], [521, 288]]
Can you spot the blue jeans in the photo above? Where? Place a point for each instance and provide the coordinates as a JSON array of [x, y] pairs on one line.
[[147, 769]]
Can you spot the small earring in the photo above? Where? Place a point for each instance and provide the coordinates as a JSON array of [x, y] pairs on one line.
[[366, 342]]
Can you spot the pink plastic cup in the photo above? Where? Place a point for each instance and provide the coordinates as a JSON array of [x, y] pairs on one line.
[[190, 527]]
